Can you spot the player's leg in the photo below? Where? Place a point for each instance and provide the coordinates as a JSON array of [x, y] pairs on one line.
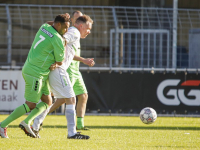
[[38, 121], [23, 109], [25, 125], [40, 107], [81, 104], [18, 112], [70, 114], [63, 90], [80, 109], [43, 90], [57, 104], [81, 92], [40, 118], [55, 83]]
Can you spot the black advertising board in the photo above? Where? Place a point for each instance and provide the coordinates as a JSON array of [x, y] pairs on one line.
[[130, 92]]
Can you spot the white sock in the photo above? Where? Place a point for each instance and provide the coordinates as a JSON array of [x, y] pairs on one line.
[[40, 118], [70, 114]]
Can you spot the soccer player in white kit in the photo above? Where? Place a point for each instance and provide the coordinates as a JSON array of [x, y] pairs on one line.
[[59, 79]]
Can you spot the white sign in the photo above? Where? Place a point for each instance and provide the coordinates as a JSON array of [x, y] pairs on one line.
[[12, 88], [178, 94]]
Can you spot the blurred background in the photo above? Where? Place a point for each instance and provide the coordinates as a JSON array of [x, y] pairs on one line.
[[125, 33]]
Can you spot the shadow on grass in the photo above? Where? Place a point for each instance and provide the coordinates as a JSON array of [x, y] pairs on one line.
[[147, 127], [171, 146]]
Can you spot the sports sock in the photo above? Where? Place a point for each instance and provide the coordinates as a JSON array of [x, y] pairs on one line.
[[39, 119], [70, 114], [18, 112], [80, 122], [35, 112]]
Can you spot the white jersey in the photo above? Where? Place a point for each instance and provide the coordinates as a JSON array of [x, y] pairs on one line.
[[73, 42], [59, 79]]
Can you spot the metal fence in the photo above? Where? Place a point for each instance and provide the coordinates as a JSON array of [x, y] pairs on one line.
[[122, 37]]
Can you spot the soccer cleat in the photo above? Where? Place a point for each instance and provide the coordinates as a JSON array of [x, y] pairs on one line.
[[3, 132], [27, 129], [79, 136], [36, 132], [83, 128]]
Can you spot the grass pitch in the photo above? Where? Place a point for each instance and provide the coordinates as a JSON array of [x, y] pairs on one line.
[[109, 133]]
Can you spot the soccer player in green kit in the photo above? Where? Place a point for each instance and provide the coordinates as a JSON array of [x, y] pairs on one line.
[[60, 82], [78, 82], [48, 48]]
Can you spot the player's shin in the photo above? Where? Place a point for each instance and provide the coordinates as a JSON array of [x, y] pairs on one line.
[[70, 114], [35, 112], [39, 119], [18, 112], [80, 122]]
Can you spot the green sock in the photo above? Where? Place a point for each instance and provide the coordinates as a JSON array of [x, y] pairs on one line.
[[35, 112], [18, 112], [80, 122]]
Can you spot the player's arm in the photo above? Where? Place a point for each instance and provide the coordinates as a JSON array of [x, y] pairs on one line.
[[55, 65], [59, 53], [71, 37], [87, 61]]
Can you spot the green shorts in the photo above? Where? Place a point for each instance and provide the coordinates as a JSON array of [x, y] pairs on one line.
[[34, 88], [78, 85]]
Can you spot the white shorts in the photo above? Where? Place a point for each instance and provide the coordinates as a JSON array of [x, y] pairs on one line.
[[60, 84]]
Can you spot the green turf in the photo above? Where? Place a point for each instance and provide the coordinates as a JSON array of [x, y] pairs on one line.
[[109, 133]]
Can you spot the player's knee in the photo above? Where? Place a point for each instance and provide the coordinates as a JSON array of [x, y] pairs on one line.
[[83, 97], [69, 101], [31, 105], [49, 103], [73, 100], [47, 99]]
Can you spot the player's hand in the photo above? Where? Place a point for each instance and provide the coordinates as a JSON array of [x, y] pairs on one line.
[[68, 16], [53, 66], [89, 61]]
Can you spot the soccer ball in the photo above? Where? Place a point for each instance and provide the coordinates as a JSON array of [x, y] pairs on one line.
[[148, 115]]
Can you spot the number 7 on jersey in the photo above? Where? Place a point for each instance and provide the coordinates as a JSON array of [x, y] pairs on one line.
[[41, 39]]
